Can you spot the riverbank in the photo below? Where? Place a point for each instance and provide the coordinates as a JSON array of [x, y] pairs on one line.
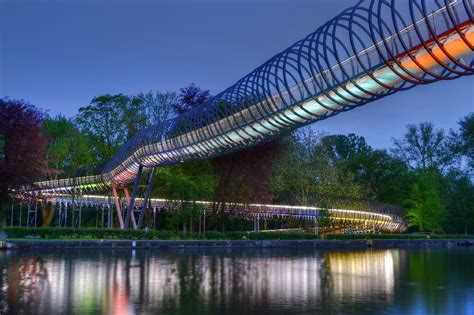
[[94, 234], [190, 244]]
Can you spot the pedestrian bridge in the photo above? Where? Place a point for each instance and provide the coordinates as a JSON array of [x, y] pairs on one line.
[[369, 51]]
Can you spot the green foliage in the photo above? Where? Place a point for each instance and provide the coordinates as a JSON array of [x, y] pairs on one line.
[[117, 234], [88, 233], [423, 146], [308, 170], [458, 196], [157, 107], [425, 206], [186, 212], [110, 120], [186, 182], [342, 147], [102, 122], [380, 175], [68, 149], [461, 141], [325, 218]]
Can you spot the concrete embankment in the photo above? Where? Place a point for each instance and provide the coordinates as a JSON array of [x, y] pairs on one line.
[[204, 244]]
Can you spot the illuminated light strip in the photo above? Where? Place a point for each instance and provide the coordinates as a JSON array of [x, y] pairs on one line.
[[256, 205], [387, 222], [360, 219], [454, 47]]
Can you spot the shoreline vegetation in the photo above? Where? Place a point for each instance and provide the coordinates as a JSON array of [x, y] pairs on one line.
[[58, 234]]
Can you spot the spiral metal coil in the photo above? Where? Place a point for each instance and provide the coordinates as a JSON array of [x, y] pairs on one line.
[[369, 51]]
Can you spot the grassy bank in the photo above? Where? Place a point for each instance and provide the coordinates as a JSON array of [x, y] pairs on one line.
[[117, 234]]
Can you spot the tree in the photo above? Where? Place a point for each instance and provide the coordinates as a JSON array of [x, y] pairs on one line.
[[185, 183], [307, 171], [342, 147], [422, 146], [68, 151], [102, 123], [458, 196], [190, 97], [24, 146], [462, 141], [133, 115], [110, 120], [380, 175], [425, 206], [158, 106], [243, 176]]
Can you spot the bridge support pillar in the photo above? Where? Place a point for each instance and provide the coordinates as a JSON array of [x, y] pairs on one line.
[[77, 214], [256, 223], [118, 207], [11, 216], [32, 216], [145, 200], [131, 203], [20, 214]]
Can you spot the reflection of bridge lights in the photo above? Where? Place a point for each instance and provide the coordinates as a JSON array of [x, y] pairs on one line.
[[362, 273], [110, 283]]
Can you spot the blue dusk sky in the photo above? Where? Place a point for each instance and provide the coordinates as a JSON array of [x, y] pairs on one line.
[[59, 54]]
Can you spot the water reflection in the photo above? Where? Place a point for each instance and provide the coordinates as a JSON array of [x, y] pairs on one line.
[[236, 281]]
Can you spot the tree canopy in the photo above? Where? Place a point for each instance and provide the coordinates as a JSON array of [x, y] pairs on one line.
[[428, 172], [23, 145]]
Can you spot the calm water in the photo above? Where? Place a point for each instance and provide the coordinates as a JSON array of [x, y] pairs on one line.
[[243, 281]]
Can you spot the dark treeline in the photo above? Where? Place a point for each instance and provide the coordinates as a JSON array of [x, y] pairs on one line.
[[427, 172]]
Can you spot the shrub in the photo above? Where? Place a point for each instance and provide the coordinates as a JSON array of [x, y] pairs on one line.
[[214, 235], [118, 234], [86, 233]]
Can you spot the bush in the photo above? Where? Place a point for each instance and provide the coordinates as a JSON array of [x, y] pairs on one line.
[[118, 234], [92, 233], [86, 233], [214, 235]]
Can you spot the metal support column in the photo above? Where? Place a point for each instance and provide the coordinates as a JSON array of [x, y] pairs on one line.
[[118, 207], [204, 222], [103, 216], [131, 204], [31, 218], [20, 214], [256, 223], [36, 214], [60, 210], [109, 217], [126, 203], [65, 215], [78, 216], [11, 216], [145, 200]]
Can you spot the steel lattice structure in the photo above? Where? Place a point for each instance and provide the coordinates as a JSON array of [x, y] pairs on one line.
[[369, 51]]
